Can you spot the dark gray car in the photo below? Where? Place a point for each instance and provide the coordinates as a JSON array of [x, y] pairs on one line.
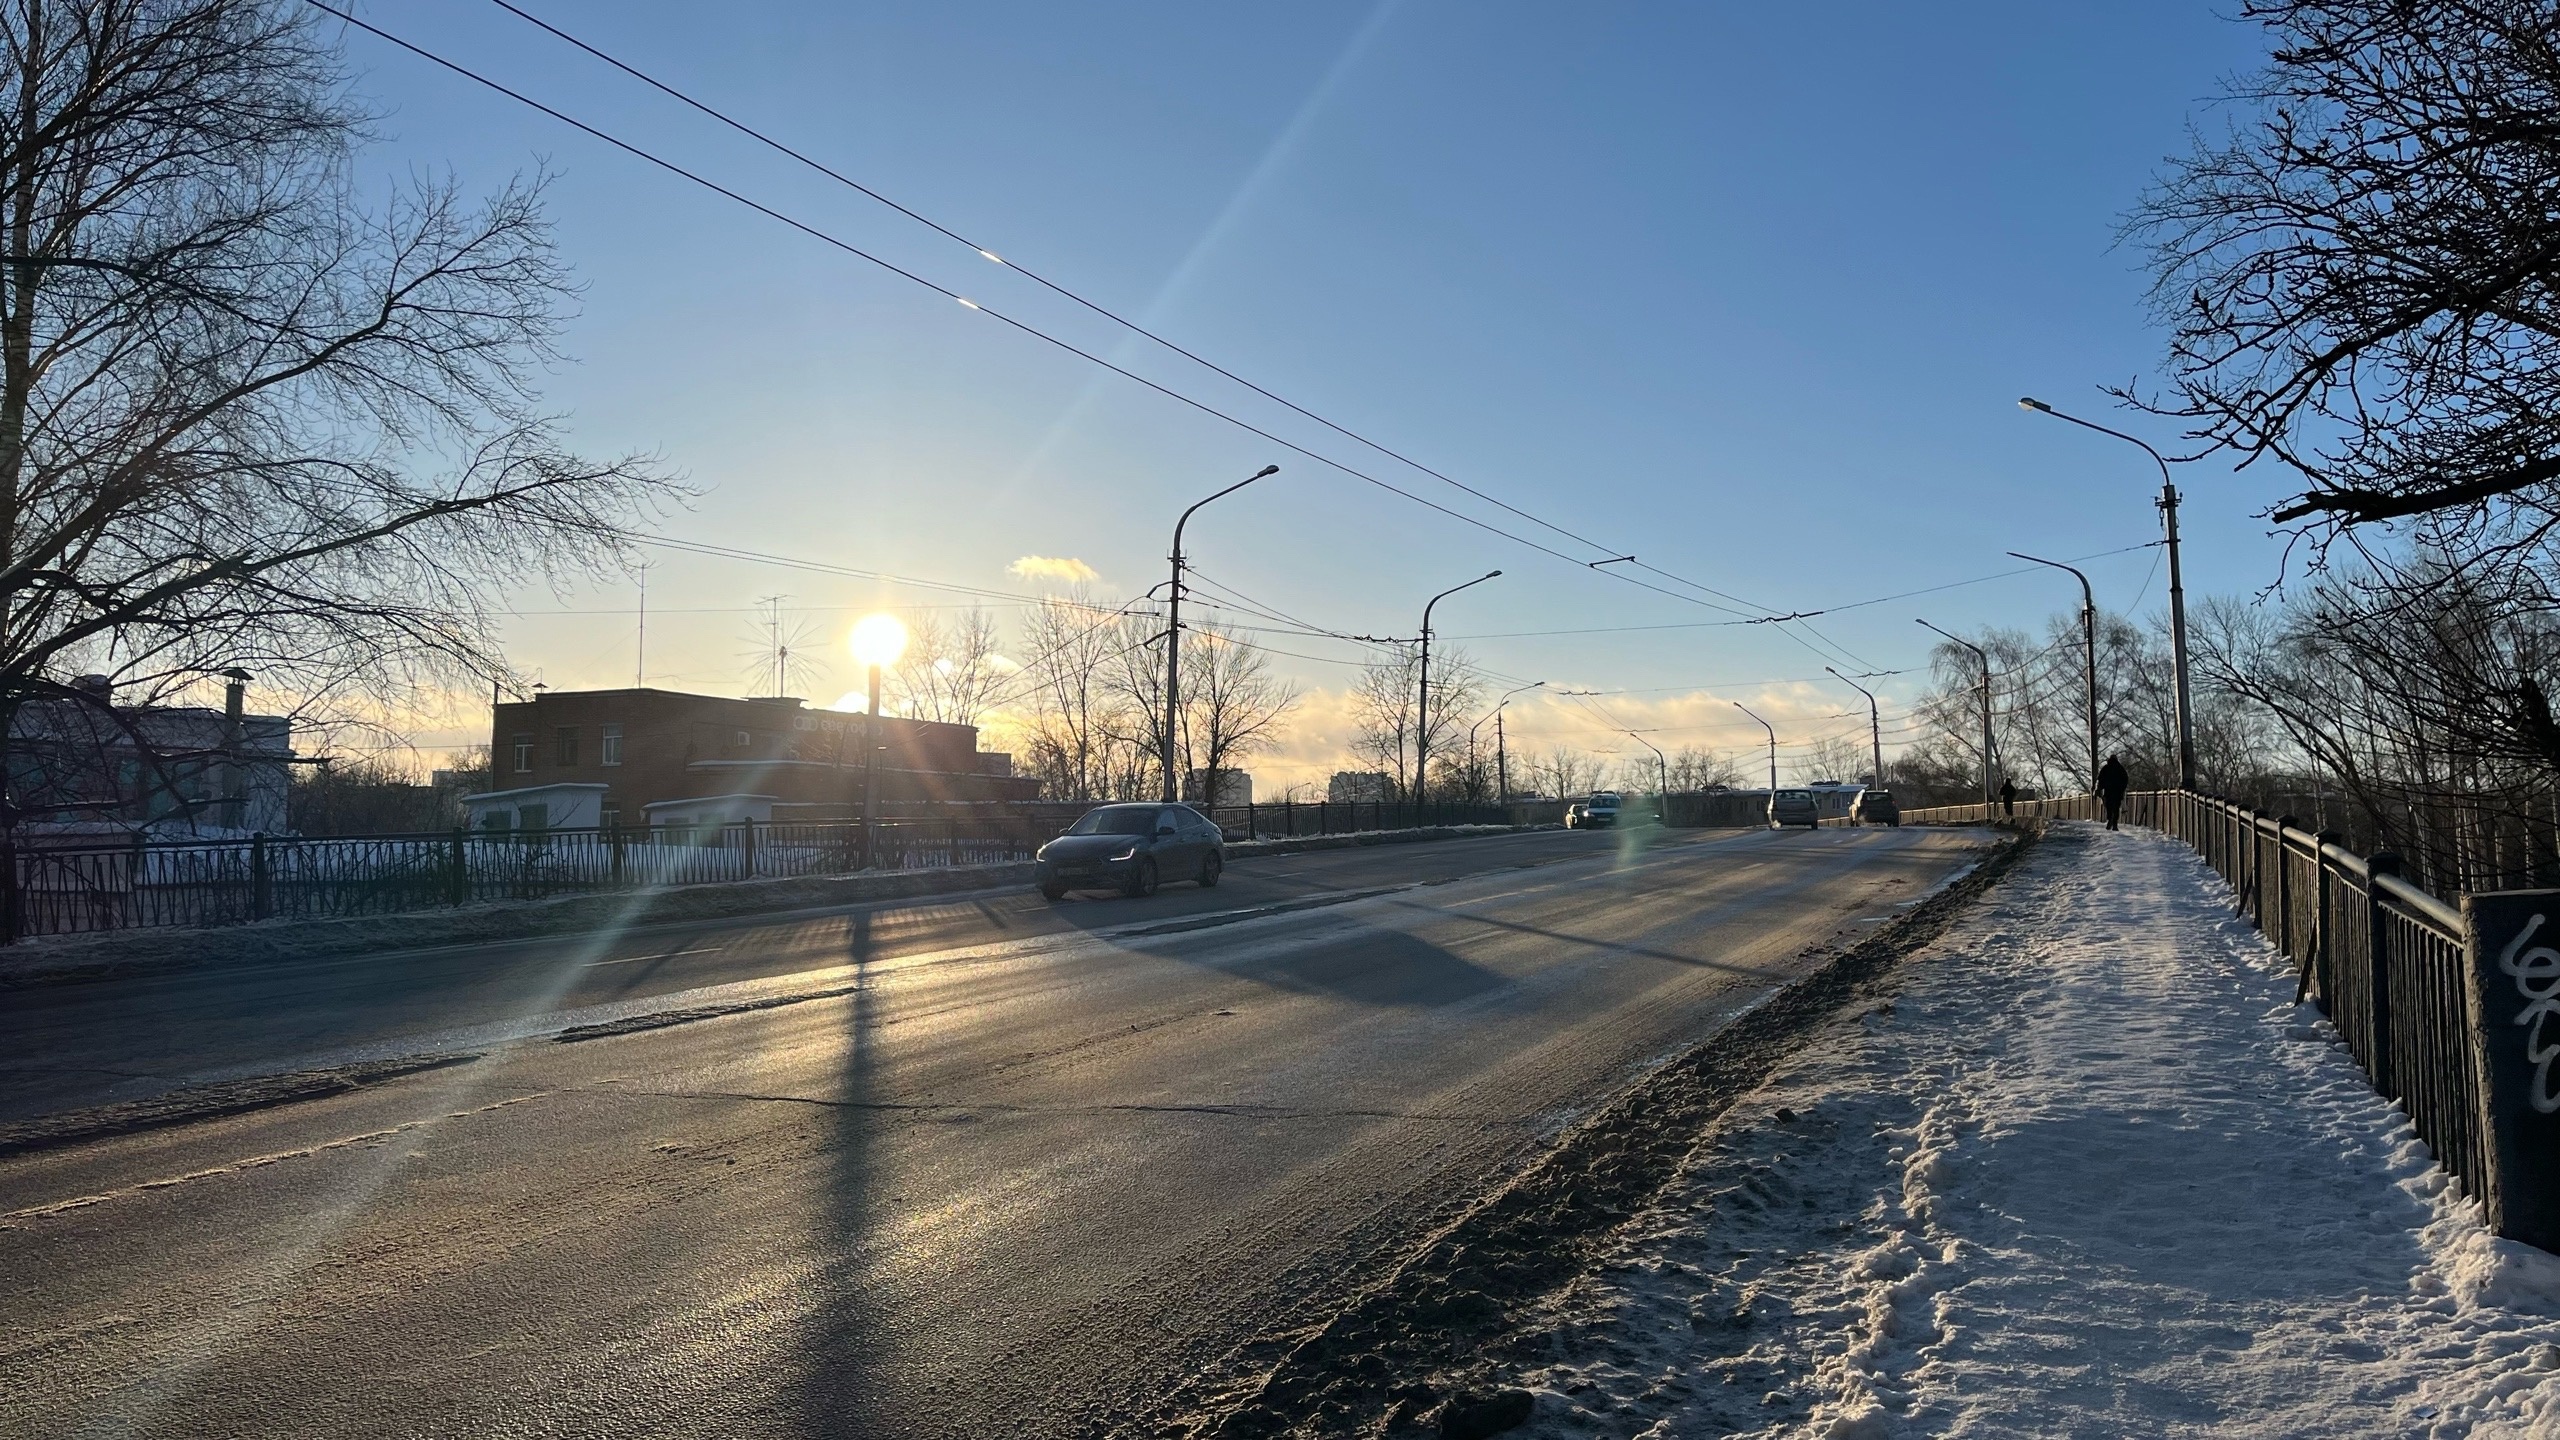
[[1131, 849]]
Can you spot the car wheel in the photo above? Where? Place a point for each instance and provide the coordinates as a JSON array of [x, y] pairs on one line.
[[1143, 881], [1209, 869], [1053, 892]]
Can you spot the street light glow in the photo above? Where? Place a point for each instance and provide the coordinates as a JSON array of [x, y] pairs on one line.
[[879, 640]]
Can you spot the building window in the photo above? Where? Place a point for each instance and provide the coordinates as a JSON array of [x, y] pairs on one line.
[[524, 754], [610, 816], [533, 817], [564, 745], [609, 745], [493, 819], [744, 740]]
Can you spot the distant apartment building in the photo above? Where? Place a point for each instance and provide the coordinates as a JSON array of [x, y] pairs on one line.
[[1356, 787], [85, 764], [579, 758], [1235, 787]]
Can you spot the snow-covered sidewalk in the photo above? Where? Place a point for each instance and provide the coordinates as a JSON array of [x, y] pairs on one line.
[[2090, 1173]]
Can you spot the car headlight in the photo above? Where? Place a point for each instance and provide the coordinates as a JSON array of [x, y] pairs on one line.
[[1129, 854]]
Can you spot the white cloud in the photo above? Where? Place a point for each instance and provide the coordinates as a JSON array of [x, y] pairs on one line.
[[1065, 569]]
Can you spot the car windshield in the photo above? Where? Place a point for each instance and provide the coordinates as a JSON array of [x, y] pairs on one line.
[[1116, 820], [1604, 799], [1876, 796], [1795, 794]]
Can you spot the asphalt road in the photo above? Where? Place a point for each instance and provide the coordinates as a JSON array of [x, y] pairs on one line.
[[1020, 1168]]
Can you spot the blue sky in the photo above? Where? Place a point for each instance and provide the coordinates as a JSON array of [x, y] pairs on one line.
[[1748, 291]]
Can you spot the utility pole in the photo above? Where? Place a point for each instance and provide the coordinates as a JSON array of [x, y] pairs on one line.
[[1422, 702], [2089, 645], [1502, 778], [640, 651], [1173, 643], [1773, 745], [1985, 658], [1875, 726], [2168, 504]]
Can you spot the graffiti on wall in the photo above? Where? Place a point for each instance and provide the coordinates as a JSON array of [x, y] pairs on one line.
[[2536, 973]]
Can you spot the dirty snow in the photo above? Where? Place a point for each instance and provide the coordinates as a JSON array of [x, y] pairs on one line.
[[2090, 1173]]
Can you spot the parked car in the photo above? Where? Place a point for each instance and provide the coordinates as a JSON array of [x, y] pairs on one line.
[[1795, 807], [1875, 807], [1601, 809], [1131, 848]]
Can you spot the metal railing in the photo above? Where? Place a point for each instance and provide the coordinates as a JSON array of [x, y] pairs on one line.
[[2412, 984], [76, 888], [60, 890]]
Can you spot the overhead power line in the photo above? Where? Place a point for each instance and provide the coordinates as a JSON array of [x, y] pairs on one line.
[[1826, 647]]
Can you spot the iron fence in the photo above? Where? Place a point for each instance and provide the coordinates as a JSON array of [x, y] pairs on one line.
[[58, 890], [2391, 965], [71, 889]]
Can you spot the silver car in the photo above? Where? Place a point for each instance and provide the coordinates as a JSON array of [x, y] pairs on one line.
[[1794, 807]]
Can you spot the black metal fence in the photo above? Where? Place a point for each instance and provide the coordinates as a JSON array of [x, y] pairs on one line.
[[2415, 986], [70, 889]]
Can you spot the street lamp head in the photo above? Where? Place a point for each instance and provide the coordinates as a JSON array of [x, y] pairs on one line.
[[2029, 402], [1493, 574], [878, 640], [1266, 470]]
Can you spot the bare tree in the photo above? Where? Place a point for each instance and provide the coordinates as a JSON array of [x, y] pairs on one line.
[[1565, 772], [1383, 719], [953, 669], [245, 422], [1072, 728], [1694, 768], [1830, 757], [2363, 273], [1232, 705], [1386, 719]]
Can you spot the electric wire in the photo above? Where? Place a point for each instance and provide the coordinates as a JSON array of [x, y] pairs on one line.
[[1827, 648]]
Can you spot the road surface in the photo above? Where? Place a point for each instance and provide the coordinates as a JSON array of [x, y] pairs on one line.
[[1017, 1170]]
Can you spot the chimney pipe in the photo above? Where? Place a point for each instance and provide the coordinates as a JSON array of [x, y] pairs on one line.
[[233, 812]]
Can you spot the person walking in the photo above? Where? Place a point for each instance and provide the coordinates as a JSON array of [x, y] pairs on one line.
[[2008, 799], [2112, 783]]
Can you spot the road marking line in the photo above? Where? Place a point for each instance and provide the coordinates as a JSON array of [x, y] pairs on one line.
[[670, 955]]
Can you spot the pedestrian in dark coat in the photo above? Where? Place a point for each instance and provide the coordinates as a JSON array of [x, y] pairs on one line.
[[2112, 783], [2009, 799]]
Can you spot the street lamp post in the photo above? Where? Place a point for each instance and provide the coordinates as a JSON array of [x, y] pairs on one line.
[[1979, 654], [1422, 702], [1773, 746], [1501, 772], [2168, 503], [878, 641], [1875, 725], [2089, 645], [1662, 778], [1173, 643]]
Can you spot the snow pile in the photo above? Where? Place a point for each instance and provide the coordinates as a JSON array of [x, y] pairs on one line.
[[2089, 1173]]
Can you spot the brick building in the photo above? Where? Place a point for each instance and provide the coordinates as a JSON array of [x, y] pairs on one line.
[[648, 746]]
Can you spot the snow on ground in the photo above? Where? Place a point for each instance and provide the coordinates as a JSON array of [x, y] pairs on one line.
[[2089, 1173]]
